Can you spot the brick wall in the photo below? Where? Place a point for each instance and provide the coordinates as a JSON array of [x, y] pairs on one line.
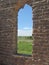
[[8, 32]]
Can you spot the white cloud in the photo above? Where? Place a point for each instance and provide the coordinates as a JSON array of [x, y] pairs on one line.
[[26, 28], [25, 32]]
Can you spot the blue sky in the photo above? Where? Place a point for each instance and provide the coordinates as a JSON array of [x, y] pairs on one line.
[[25, 21]]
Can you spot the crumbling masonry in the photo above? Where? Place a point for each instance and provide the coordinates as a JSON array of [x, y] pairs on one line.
[[8, 32]]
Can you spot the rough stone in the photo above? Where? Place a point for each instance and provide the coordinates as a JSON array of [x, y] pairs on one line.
[[8, 32]]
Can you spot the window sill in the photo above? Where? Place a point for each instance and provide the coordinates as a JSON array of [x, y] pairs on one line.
[[22, 55]]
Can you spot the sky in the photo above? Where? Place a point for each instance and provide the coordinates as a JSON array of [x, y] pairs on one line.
[[25, 21]]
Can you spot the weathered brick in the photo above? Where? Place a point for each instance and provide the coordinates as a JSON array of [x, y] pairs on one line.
[[8, 32]]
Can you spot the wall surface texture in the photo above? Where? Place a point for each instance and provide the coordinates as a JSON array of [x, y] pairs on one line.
[[8, 32]]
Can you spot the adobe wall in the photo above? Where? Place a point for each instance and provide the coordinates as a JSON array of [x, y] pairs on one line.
[[8, 32]]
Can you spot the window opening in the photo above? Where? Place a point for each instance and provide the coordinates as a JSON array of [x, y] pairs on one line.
[[24, 44]]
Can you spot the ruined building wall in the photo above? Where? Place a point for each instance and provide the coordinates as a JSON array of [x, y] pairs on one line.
[[8, 32]]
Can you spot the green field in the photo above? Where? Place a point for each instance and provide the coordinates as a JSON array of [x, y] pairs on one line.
[[25, 45]]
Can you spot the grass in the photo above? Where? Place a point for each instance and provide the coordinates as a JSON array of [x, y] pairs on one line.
[[24, 46]]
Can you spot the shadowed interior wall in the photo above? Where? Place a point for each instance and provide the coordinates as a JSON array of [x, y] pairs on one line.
[[8, 32]]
